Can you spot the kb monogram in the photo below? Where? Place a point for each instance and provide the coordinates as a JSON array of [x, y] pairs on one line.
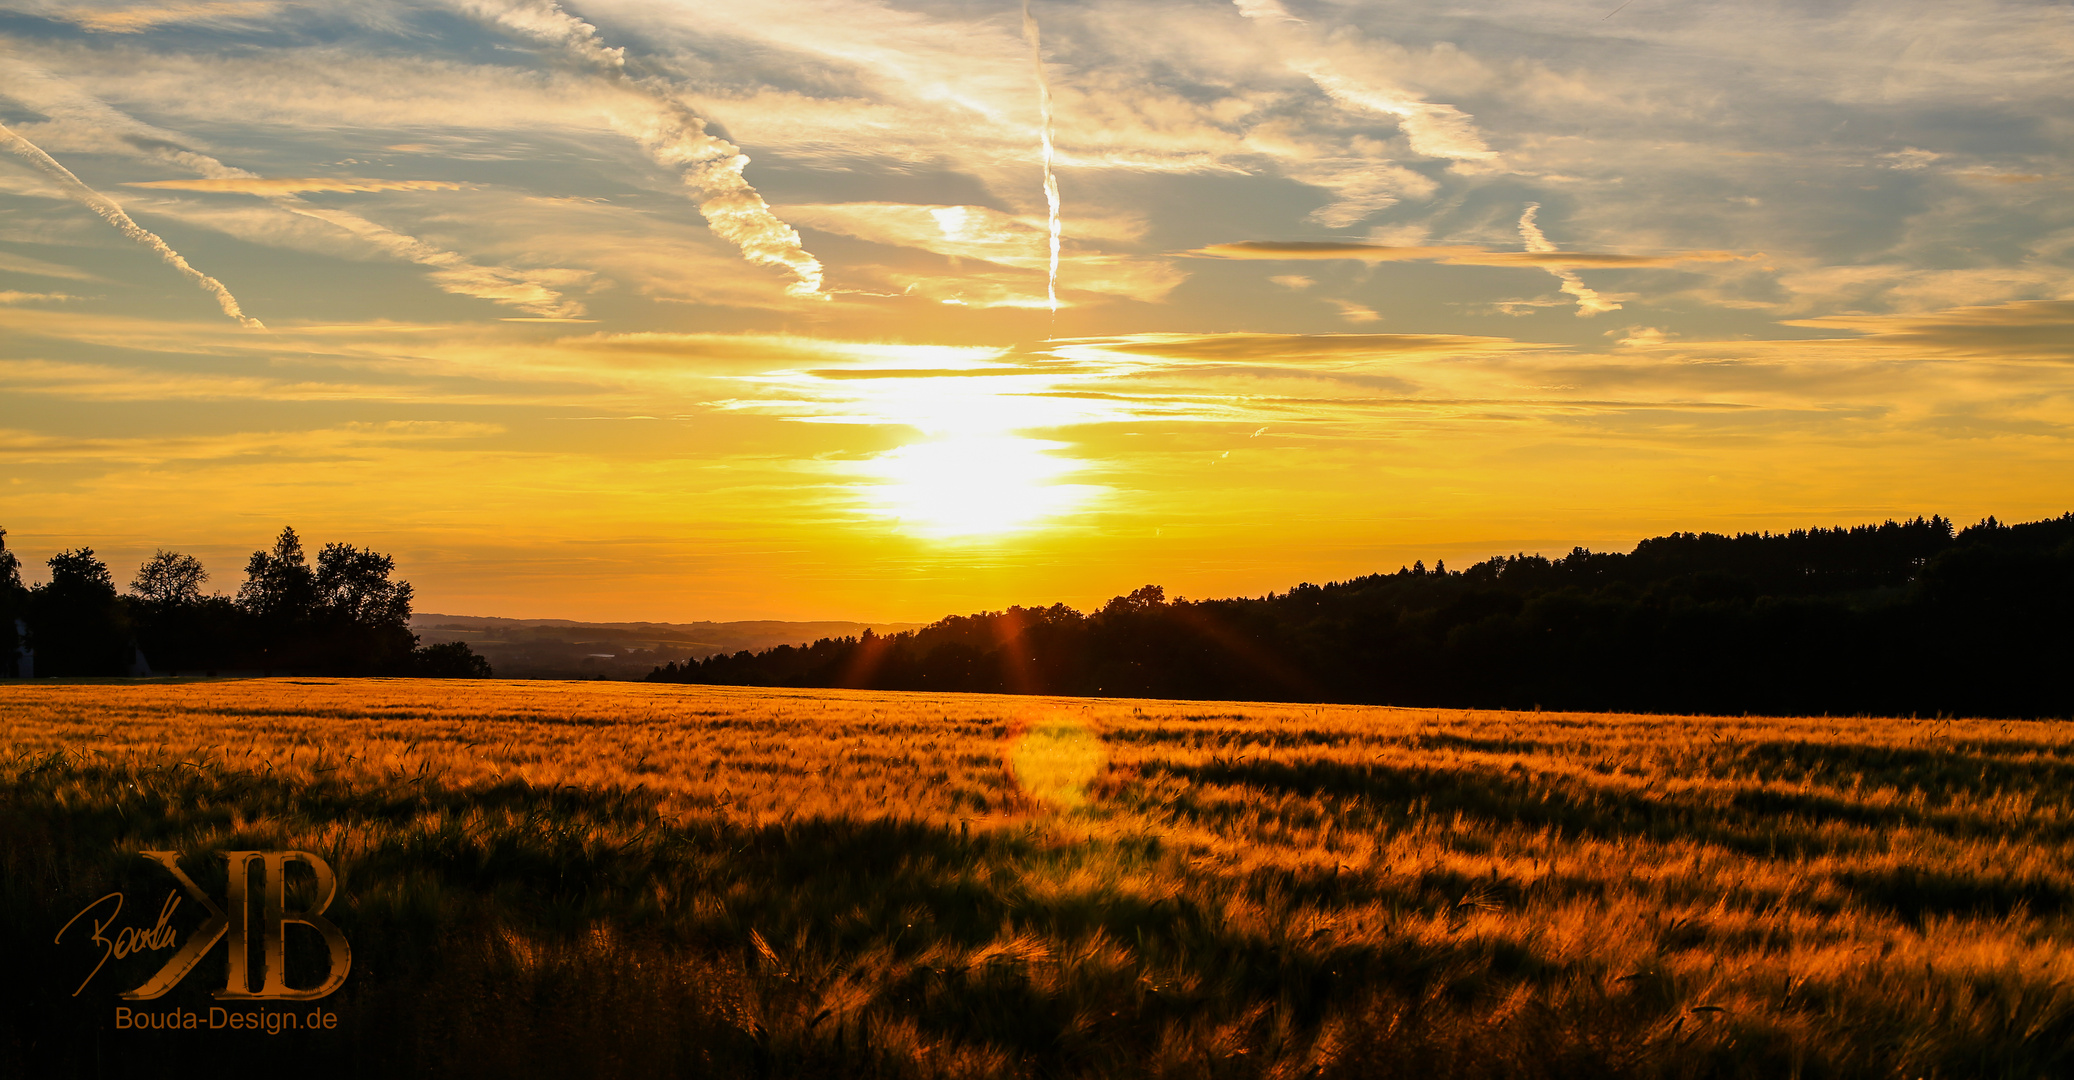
[[233, 921]]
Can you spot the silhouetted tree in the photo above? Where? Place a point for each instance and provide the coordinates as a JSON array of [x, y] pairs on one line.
[[449, 660], [169, 579], [77, 625], [13, 606], [178, 628], [278, 596], [360, 617]]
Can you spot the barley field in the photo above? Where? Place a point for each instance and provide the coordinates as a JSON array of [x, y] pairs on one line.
[[598, 879]]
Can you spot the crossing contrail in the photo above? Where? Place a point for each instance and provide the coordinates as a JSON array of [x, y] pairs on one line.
[[1051, 182], [676, 137], [114, 215]]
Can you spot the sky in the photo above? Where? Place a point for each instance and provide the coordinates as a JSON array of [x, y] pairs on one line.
[[843, 309]]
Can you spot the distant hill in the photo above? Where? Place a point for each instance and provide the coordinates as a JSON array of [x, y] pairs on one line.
[[568, 649]]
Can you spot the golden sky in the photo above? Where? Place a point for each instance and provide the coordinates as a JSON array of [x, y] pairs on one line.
[[641, 310]]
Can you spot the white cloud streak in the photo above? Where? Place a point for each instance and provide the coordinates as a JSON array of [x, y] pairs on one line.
[[1589, 302], [113, 213], [676, 137], [257, 185], [1051, 182]]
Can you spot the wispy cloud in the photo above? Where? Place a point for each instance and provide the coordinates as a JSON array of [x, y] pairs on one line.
[[990, 236], [1430, 129], [1451, 254], [29, 447], [22, 264], [269, 185], [2021, 331], [1356, 313], [1434, 130], [137, 19], [1294, 348]]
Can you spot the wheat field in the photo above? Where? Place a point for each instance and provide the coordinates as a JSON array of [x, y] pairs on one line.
[[661, 880]]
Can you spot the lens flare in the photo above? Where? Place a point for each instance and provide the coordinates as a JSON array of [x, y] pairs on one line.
[[1056, 760]]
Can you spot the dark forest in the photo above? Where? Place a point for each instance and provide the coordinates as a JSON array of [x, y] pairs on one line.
[[1902, 618]]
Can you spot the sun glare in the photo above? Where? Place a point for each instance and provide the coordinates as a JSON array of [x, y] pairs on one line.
[[975, 485]]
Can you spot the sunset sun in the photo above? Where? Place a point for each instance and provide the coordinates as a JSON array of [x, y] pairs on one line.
[[976, 486]]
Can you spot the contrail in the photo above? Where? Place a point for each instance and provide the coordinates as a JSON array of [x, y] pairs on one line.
[[675, 137], [1589, 303], [113, 214], [1051, 182]]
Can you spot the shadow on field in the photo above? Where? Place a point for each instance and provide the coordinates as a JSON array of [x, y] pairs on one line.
[[1970, 767], [1916, 894], [1751, 821]]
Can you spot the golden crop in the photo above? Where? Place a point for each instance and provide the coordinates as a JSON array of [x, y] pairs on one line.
[[986, 885]]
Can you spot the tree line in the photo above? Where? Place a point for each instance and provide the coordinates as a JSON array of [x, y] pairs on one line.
[[1902, 618], [343, 615]]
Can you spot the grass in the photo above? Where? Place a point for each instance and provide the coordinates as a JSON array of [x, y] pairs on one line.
[[655, 880]]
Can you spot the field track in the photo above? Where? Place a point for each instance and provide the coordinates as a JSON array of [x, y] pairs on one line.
[[825, 882]]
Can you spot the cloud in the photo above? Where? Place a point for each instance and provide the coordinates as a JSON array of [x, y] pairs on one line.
[[344, 441], [1265, 9], [960, 232], [1430, 129], [1452, 255], [531, 290], [136, 20], [106, 382], [1909, 157], [1434, 130], [1356, 313], [9, 296], [22, 264], [1338, 348], [2023, 330], [265, 185], [987, 235]]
